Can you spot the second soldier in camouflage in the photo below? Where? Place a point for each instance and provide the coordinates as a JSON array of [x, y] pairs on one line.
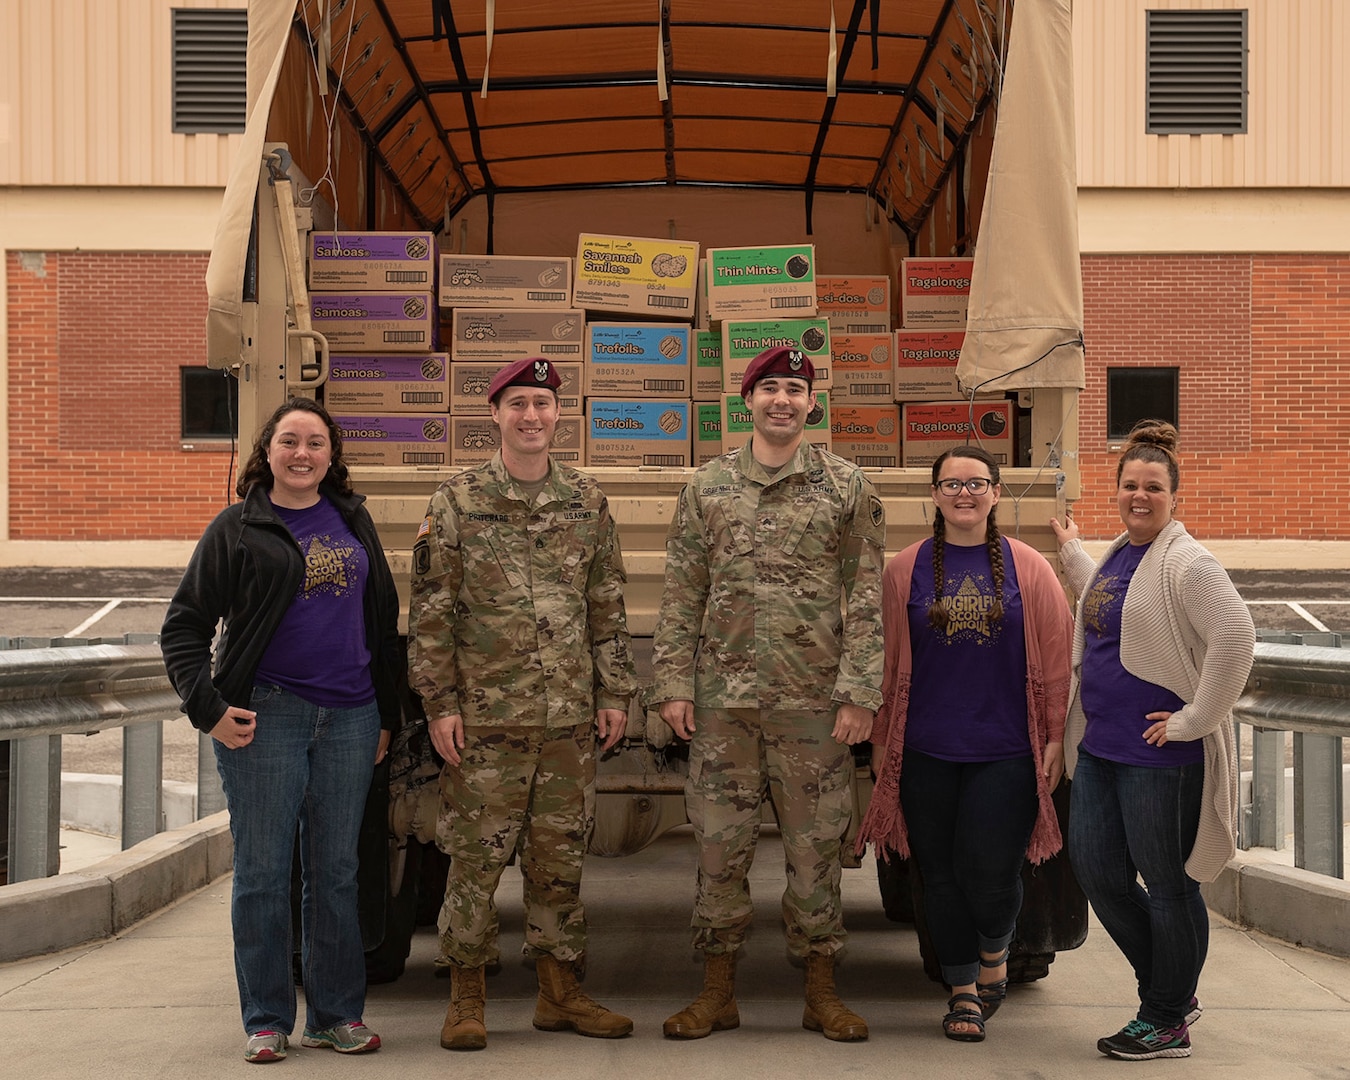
[[775, 554]]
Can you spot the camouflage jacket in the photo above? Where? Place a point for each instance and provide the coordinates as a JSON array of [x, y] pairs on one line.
[[517, 613], [787, 574]]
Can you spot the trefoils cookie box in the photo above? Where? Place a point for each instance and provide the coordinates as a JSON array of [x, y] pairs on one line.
[[637, 359], [505, 281], [631, 431], [404, 382], [371, 261], [762, 282], [635, 275]]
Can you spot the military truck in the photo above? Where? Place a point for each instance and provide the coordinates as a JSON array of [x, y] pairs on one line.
[[512, 129]]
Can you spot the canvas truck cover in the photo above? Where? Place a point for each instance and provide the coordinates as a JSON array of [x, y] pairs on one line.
[[413, 110]]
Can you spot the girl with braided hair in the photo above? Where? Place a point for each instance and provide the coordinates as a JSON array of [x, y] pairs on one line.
[[968, 743]]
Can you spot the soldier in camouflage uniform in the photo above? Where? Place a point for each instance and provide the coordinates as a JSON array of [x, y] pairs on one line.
[[519, 647], [779, 547]]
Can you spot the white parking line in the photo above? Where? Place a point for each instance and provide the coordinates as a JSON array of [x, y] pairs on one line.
[[1302, 611], [109, 606]]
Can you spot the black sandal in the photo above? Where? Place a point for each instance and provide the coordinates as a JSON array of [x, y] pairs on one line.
[[974, 1017], [993, 994]]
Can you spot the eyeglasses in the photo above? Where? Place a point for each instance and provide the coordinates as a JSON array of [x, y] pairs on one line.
[[976, 485]]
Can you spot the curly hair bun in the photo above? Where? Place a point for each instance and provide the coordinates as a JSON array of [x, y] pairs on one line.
[[1157, 433]]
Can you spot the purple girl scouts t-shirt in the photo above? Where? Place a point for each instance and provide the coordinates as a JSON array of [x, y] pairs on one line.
[[319, 650], [968, 686], [1115, 702]]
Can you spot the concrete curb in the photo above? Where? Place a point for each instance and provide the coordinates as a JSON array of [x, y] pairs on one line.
[[50, 914], [1307, 909]]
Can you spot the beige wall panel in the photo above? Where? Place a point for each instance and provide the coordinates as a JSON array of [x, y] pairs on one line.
[[1213, 220], [86, 88], [1297, 116]]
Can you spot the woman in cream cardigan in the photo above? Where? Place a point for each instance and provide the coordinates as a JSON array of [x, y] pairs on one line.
[[1162, 649]]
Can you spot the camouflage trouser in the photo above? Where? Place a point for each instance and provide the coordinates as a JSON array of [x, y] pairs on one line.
[[735, 753], [525, 789]]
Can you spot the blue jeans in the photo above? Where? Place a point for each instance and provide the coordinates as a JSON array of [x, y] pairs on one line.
[[969, 824], [312, 765], [1133, 821]]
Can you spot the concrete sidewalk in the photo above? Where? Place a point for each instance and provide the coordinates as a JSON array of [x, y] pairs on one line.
[[160, 1000]]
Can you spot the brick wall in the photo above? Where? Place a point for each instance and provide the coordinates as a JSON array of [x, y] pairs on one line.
[[1263, 347], [95, 343], [1262, 343]]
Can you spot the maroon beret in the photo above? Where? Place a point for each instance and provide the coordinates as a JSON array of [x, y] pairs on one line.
[[532, 371], [779, 361]]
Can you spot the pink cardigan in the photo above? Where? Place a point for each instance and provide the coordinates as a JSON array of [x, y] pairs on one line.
[[1048, 624]]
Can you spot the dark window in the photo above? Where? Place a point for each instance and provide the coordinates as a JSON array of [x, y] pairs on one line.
[[210, 403], [210, 70], [1196, 72], [1139, 393]]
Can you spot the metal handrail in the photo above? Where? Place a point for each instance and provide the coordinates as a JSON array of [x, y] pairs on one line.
[[79, 690], [82, 689], [1304, 689], [45, 693]]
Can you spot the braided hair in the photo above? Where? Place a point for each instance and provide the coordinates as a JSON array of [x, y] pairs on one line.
[[938, 614]]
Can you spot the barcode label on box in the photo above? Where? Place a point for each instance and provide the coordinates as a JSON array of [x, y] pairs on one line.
[[792, 301], [663, 459], [657, 300]]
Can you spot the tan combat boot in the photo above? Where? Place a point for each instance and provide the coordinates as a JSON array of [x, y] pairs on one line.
[[463, 1028], [562, 1004], [824, 1011], [715, 1008]]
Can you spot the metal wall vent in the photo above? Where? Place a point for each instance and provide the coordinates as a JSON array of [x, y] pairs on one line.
[[1196, 72], [210, 70]]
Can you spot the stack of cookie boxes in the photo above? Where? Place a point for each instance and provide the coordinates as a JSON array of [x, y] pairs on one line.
[[388, 390], [936, 416], [639, 297], [499, 309]]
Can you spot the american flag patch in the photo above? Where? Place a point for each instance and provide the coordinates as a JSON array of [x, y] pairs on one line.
[[424, 529]]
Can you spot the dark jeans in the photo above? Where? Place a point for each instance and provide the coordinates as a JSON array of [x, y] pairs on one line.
[[312, 765], [969, 823], [1133, 821]]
